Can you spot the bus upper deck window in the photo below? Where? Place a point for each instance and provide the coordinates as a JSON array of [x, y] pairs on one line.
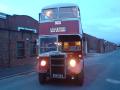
[[68, 12], [49, 14]]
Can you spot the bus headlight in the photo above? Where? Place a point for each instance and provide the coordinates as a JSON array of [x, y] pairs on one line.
[[43, 63], [72, 63]]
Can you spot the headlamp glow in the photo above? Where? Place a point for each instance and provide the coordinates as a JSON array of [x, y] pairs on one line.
[[72, 63], [43, 63]]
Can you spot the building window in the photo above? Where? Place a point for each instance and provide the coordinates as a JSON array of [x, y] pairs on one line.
[[33, 48], [20, 49]]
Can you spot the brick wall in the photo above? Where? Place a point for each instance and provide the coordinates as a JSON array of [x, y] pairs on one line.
[[8, 50], [4, 48], [27, 38], [9, 36], [16, 21]]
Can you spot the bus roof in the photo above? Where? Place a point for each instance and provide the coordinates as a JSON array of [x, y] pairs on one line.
[[61, 5]]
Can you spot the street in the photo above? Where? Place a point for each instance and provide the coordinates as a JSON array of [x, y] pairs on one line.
[[101, 73]]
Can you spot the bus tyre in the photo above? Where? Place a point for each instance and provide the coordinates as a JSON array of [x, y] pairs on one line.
[[80, 80], [41, 78]]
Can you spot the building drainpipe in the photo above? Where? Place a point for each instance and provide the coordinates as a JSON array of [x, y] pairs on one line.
[[9, 42]]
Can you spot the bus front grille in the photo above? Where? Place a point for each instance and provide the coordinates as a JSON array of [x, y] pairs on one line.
[[58, 66]]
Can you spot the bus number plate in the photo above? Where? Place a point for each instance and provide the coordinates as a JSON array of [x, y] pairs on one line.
[[58, 76]]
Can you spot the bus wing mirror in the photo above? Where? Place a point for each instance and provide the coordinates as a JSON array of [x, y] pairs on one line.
[[37, 42], [39, 17], [83, 38]]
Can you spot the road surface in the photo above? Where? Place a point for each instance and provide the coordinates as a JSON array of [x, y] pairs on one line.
[[102, 72]]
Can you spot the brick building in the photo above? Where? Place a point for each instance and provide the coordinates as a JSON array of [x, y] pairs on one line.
[[18, 34], [97, 45]]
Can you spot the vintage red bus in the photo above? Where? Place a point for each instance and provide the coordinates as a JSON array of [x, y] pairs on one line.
[[60, 44]]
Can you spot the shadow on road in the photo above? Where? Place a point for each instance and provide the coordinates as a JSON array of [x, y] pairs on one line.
[[69, 83]]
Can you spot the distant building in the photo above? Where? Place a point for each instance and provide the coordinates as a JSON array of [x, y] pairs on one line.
[[97, 45], [18, 34]]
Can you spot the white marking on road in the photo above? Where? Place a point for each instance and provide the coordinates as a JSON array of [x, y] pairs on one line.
[[113, 81], [18, 75]]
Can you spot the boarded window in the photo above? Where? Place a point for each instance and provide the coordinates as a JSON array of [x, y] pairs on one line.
[[20, 49]]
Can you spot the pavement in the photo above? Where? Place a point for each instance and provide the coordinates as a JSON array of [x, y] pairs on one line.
[[93, 54], [14, 71]]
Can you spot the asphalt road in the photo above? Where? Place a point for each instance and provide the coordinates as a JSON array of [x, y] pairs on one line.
[[102, 72]]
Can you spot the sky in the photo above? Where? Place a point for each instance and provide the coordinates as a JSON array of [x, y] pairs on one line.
[[100, 18]]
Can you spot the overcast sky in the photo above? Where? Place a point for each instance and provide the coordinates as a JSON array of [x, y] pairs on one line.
[[100, 18]]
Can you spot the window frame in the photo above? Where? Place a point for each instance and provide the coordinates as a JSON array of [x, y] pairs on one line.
[[77, 13], [42, 14], [33, 48], [47, 47], [19, 49]]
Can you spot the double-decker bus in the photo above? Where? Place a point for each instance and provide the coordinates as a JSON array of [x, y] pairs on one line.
[[60, 44]]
